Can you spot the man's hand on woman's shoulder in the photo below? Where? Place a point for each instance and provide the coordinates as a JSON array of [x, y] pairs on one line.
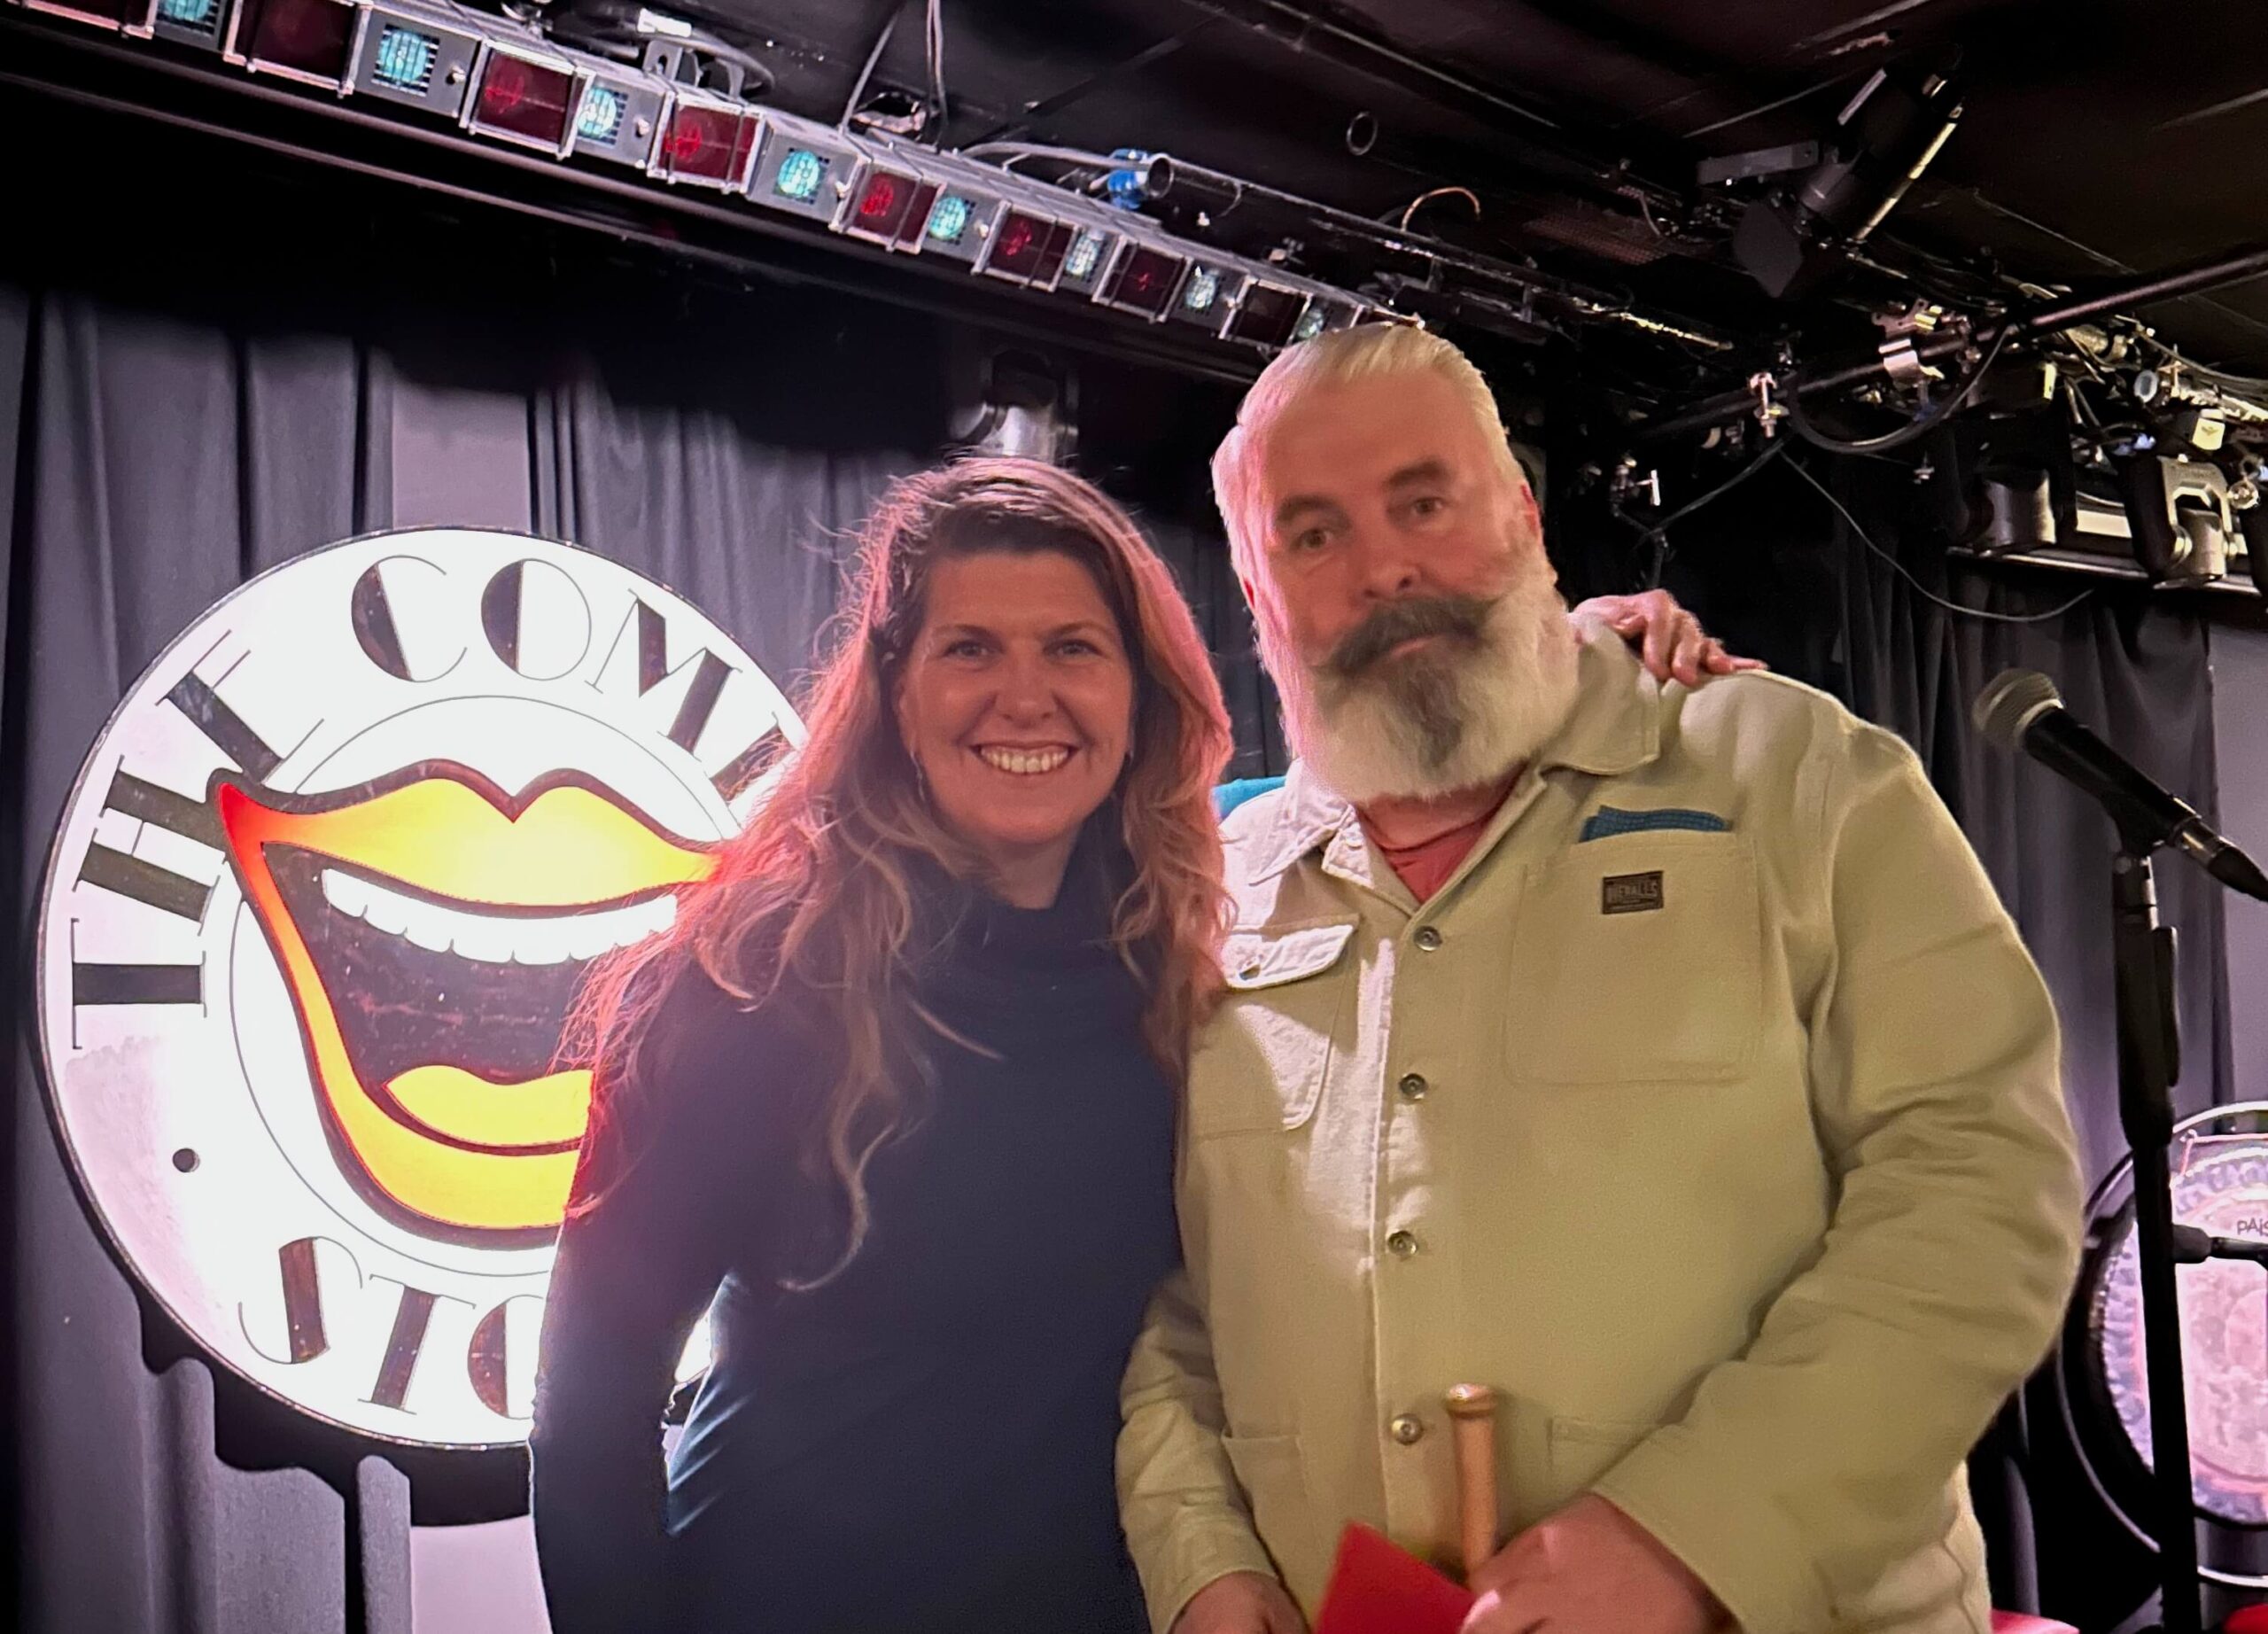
[[1671, 642]]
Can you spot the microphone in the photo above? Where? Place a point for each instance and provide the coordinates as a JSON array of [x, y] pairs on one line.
[[2019, 710]]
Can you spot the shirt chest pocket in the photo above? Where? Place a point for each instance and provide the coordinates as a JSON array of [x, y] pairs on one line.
[[1259, 1064], [1638, 959]]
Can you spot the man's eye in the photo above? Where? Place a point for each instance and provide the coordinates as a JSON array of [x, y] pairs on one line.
[[1077, 647], [1313, 539], [1427, 505], [967, 647]]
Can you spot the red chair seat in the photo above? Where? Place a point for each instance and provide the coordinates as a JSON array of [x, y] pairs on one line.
[[2016, 1623]]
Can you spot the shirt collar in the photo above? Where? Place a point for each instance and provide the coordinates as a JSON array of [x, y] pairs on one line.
[[1615, 727]]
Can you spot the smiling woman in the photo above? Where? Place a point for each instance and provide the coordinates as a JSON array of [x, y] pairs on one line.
[[1017, 706], [896, 1090]]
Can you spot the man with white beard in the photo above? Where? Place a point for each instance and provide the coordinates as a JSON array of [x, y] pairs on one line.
[[1660, 1057]]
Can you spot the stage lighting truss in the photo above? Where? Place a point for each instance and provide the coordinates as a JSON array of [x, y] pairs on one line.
[[506, 82]]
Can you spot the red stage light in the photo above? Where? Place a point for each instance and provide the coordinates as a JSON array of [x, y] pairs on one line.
[[1029, 248], [524, 100], [307, 37], [885, 201], [708, 143], [875, 202], [1145, 281]]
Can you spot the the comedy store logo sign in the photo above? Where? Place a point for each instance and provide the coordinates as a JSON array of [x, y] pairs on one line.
[[314, 917]]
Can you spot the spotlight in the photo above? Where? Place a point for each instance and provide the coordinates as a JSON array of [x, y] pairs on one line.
[[1027, 249], [189, 22], [1326, 316], [707, 142], [887, 207], [1269, 315], [2179, 515], [1208, 295], [413, 56], [1142, 280], [134, 18], [960, 223], [310, 40], [526, 98], [1886, 138], [620, 118], [804, 172], [1088, 257]]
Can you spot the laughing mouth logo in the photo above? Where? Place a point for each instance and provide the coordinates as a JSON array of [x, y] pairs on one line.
[[432, 931]]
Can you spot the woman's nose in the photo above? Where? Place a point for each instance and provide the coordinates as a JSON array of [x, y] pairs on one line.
[[1027, 692]]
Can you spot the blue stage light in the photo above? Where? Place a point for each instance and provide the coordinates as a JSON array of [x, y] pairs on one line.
[[601, 121], [800, 174], [1203, 289], [189, 14], [950, 220], [404, 59], [1086, 251]]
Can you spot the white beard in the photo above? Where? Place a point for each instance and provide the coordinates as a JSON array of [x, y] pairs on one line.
[[1466, 719]]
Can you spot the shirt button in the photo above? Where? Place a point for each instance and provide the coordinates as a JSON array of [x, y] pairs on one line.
[[1401, 1245], [1413, 1086], [1406, 1429], [1427, 937]]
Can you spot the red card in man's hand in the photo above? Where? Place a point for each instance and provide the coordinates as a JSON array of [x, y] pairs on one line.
[[1378, 1589]]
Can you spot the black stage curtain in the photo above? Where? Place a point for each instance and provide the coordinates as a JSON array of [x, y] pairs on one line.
[[1788, 577]]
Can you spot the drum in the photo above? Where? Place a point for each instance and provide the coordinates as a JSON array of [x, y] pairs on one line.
[[2220, 1185]]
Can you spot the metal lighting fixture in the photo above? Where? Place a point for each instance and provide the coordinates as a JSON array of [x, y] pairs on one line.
[[197, 23], [312, 41], [2179, 513], [805, 169], [1027, 248], [707, 142], [410, 55], [1269, 315], [888, 204], [525, 96], [1143, 279], [1088, 257], [504, 81], [1325, 315], [621, 117], [133, 18], [1210, 295], [960, 221]]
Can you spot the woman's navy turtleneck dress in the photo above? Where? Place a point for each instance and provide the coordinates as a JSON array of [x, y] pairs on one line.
[[925, 1443]]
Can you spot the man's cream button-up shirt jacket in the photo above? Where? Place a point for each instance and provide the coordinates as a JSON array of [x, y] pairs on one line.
[[1710, 1112]]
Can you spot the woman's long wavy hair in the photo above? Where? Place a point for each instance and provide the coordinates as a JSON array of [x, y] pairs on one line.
[[815, 893]]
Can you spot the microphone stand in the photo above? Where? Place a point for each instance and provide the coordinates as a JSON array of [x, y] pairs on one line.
[[2149, 1060]]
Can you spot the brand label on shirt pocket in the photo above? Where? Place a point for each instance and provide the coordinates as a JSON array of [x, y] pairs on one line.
[[1259, 1063], [1638, 959]]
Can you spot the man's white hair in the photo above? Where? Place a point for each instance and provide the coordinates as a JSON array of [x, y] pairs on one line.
[[1368, 349]]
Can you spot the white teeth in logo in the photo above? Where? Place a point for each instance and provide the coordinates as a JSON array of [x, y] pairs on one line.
[[1024, 762], [494, 938]]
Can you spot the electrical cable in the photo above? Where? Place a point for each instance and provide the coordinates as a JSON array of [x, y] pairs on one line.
[[867, 73], [1465, 193], [1922, 425], [933, 41], [1658, 535], [1921, 589]]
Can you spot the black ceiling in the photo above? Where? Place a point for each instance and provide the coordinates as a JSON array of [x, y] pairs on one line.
[[2098, 137]]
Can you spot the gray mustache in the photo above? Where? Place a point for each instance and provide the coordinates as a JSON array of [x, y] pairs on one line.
[[1396, 622]]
